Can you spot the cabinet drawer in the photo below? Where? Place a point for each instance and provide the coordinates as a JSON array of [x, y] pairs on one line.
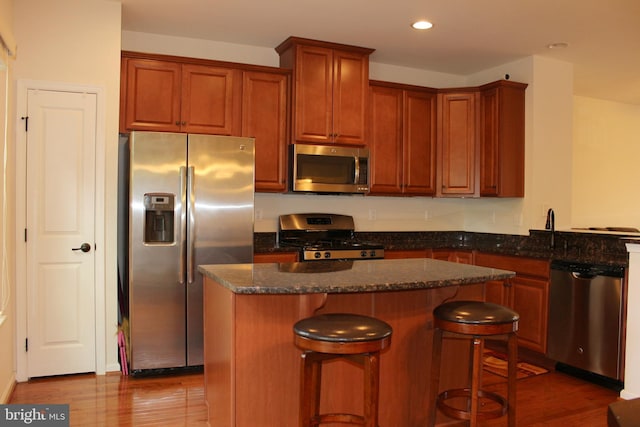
[[521, 265], [275, 257]]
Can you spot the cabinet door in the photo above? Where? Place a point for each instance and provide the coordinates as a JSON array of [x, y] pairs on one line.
[[313, 93], [497, 292], [457, 143], [210, 100], [489, 156], [264, 117], [529, 298], [419, 139], [349, 98], [152, 96], [502, 111], [385, 140]]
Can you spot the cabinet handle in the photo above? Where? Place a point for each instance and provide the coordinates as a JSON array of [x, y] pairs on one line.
[[177, 123]]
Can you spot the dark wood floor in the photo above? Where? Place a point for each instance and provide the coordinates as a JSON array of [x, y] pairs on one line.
[[553, 399]]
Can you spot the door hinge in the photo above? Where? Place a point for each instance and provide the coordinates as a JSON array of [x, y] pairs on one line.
[[26, 344], [26, 122]]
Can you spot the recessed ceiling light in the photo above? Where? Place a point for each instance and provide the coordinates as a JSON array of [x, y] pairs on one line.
[[422, 25], [558, 45]]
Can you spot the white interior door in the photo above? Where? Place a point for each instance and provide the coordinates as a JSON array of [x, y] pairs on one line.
[[60, 215]]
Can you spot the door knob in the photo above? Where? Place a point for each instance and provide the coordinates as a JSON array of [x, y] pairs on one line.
[[85, 247]]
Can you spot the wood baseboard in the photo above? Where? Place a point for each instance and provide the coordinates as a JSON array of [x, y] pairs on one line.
[[7, 390]]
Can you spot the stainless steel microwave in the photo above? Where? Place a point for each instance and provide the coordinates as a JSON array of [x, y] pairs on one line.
[[329, 169]]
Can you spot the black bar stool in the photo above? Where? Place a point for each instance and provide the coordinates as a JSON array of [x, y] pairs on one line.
[[329, 336], [478, 320]]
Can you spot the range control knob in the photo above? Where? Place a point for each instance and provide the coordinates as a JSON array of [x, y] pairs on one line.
[[317, 255], [363, 254], [327, 254]]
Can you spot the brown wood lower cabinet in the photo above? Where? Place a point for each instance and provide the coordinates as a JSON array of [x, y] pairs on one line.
[[407, 253], [527, 293], [461, 257]]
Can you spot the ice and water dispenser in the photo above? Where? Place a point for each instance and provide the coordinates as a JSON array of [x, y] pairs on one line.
[[159, 218]]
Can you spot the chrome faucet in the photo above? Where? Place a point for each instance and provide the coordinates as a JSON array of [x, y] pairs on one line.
[[551, 225]]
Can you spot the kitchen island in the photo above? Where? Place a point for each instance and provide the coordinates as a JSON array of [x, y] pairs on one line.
[[252, 367]]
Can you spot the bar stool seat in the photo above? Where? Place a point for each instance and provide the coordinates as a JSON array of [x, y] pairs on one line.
[[329, 336], [478, 320]]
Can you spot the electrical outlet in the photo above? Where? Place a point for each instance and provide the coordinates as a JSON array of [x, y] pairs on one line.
[[372, 214], [258, 214], [426, 215]]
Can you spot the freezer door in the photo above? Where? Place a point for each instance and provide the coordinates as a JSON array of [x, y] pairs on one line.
[[156, 264], [220, 220]]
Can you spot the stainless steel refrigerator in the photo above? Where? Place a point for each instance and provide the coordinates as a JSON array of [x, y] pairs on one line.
[[190, 202]]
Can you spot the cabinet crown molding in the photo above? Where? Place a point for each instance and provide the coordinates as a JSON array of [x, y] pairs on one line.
[[309, 42]]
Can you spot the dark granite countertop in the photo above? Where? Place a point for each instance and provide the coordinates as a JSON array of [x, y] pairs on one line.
[[347, 276], [578, 246]]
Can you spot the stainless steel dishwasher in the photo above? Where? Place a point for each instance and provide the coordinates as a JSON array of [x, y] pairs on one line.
[[585, 317]]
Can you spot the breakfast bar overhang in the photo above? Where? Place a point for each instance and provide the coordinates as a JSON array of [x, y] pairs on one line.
[[252, 369]]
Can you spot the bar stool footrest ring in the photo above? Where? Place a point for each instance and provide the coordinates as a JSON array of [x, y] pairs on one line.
[[460, 414]]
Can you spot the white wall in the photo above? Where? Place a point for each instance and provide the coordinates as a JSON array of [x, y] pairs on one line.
[[548, 150], [78, 41], [7, 219], [605, 160]]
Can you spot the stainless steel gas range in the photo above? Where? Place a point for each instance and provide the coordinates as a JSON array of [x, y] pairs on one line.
[[322, 236]]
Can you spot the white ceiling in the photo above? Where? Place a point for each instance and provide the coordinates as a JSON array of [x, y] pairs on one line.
[[468, 35]]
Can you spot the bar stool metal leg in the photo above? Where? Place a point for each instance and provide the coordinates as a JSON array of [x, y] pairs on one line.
[[475, 380], [436, 353], [371, 389], [512, 375]]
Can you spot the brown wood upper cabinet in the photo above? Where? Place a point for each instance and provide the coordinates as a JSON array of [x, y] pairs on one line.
[[264, 117], [168, 96], [402, 138], [457, 143], [502, 109], [330, 90], [175, 94]]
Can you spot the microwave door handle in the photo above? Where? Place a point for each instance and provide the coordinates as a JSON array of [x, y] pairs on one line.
[[356, 174]]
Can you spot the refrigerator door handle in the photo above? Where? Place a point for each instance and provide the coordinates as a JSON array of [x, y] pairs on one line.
[[192, 232], [183, 224]]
